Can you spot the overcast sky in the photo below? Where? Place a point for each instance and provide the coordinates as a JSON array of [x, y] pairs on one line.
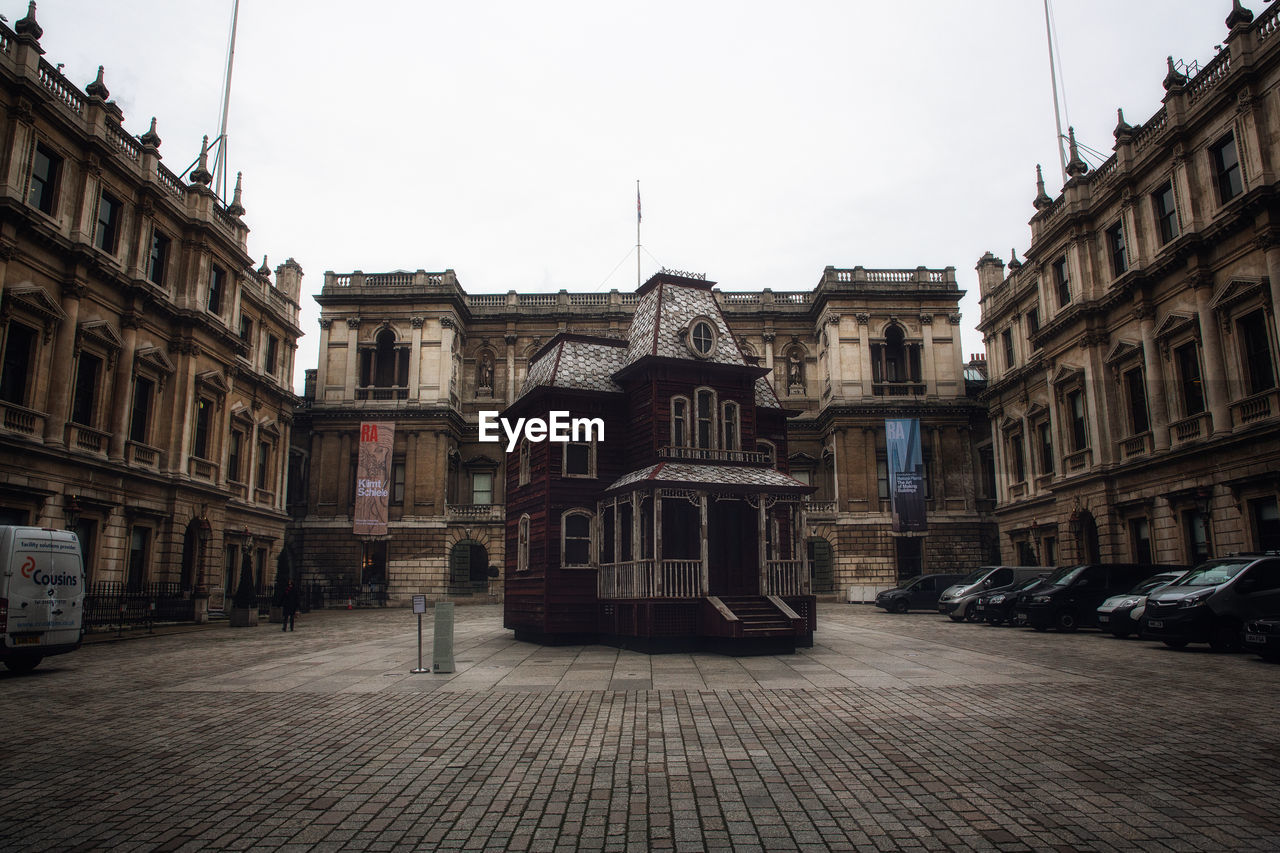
[[504, 139]]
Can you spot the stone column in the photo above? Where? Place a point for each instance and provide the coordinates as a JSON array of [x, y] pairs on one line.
[[940, 482], [1215, 377], [224, 435], [1271, 245], [344, 475], [1096, 400], [957, 353], [1155, 378], [410, 453], [835, 364], [322, 366], [353, 359], [447, 332], [510, 340], [120, 395], [997, 454], [926, 358], [864, 352], [282, 472], [415, 362], [62, 368], [183, 395], [251, 482], [768, 348], [315, 465]]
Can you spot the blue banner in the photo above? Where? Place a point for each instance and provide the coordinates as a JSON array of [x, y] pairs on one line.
[[906, 473]]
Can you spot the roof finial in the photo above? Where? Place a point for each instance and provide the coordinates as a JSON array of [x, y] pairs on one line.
[[1124, 130], [1239, 16], [27, 26], [1042, 198], [200, 174], [264, 270], [236, 209], [1075, 165], [1175, 79], [151, 139], [1014, 263], [97, 89]]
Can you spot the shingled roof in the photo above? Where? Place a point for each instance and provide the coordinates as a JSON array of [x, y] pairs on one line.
[[669, 303], [576, 362], [730, 477]]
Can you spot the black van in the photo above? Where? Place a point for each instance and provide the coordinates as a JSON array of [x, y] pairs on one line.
[[1211, 603], [920, 593], [1071, 595]]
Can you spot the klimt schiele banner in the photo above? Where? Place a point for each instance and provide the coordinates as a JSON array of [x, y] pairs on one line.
[[373, 478]]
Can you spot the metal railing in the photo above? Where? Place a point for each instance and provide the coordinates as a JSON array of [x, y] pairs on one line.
[[115, 605]]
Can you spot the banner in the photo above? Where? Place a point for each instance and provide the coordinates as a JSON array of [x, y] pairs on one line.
[[373, 478], [906, 473]]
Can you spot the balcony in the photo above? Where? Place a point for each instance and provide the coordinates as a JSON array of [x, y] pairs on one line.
[[1190, 429], [700, 454], [1135, 446], [21, 420], [820, 509], [87, 439], [202, 469], [264, 496], [383, 394], [1078, 461], [1017, 491], [1254, 408], [484, 513], [142, 455], [898, 389], [238, 490]]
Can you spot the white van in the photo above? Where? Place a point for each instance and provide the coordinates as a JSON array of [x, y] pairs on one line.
[[41, 595]]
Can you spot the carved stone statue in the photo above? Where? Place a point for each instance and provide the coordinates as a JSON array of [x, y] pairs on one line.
[[486, 371], [794, 375]]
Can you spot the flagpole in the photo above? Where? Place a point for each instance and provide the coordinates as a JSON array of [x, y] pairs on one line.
[[638, 217]]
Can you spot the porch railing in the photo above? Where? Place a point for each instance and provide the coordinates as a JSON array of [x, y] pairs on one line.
[[784, 577], [703, 454], [633, 579], [682, 579]]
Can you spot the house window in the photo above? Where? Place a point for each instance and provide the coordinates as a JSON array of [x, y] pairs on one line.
[[19, 358], [1044, 439], [1226, 168], [1266, 523], [246, 328], [108, 230], [139, 540], [140, 417], [384, 365], [1006, 337], [706, 401], [679, 422], [767, 447], [524, 462], [217, 282], [729, 429], [702, 338], [482, 487], [804, 475], [234, 455], [1119, 252], [1033, 327], [1136, 389], [522, 544], [575, 545], [1188, 363], [85, 400], [1017, 457], [1076, 421], [1140, 539], [158, 258], [264, 464], [1062, 281], [397, 483], [273, 353], [46, 168], [579, 459], [606, 533], [895, 360], [204, 418], [1256, 343], [1049, 547], [882, 478], [1196, 528], [1166, 213]]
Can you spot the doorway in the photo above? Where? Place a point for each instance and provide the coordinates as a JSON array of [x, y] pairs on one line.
[[733, 548], [468, 568], [822, 563], [909, 554]]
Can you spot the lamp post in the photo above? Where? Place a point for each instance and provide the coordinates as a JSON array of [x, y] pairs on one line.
[[71, 510]]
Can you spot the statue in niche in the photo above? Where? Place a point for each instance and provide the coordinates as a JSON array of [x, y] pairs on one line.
[[795, 374], [485, 375]]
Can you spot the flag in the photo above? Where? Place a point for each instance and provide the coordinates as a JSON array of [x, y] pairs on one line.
[[638, 216]]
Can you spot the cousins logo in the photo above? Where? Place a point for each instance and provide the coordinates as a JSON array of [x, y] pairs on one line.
[[30, 572]]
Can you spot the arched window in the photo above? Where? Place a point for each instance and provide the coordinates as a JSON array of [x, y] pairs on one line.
[[679, 421], [705, 435], [729, 430], [895, 361], [575, 538], [524, 462], [384, 365], [522, 544], [768, 448]]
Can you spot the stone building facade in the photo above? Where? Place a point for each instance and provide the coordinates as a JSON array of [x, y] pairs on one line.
[[1133, 388], [416, 349], [145, 397]]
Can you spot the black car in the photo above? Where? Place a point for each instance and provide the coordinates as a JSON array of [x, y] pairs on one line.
[[921, 593], [997, 607], [1214, 601], [1071, 597], [1262, 636]]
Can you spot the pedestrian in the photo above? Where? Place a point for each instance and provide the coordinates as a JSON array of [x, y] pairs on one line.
[[290, 606]]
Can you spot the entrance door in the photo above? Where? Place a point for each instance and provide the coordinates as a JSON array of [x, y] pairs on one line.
[[909, 553], [468, 568], [820, 561], [733, 548]]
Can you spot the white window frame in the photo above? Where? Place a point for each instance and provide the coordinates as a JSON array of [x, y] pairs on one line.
[[591, 537]]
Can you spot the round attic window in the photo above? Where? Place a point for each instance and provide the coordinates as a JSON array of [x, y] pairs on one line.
[[702, 338]]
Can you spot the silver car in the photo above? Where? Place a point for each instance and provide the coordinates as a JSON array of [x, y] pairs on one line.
[[956, 600], [1122, 614]]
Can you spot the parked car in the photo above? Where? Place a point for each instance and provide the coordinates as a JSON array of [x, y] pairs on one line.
[[957, 600], [1120, 614], [41, 595], [997, 607], [1072, 598], [1214, 601], [1262, 636], [921, 593]]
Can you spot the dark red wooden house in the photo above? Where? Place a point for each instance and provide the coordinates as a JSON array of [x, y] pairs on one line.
[[681, 528]]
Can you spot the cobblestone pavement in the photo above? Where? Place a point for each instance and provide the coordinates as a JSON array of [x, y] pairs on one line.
[[893, 732]]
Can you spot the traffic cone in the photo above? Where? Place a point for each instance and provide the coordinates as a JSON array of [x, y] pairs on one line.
[[350, 603]]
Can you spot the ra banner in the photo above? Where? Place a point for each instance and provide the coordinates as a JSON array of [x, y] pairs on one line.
[[373, 478], [906, 473]]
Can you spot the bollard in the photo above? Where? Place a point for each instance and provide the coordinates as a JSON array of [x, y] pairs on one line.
[[442, 646]]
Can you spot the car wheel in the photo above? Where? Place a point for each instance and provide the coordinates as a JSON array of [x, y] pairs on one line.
[[955, 617], [898, 606], [1225, 637], [1176, 644], [1119, 634], [1067, 622], [995, 621], [26, 663], [970, 616]]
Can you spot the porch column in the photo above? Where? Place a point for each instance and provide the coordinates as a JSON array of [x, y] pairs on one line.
[[802, 521], [657, 544], [706, 571], [617, 535], [762, 539], [637, 553]]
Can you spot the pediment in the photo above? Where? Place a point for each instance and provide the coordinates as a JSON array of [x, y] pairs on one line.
[[1067, 373], [98, 332], [1123, 349], [213, 379], [34, 300], [269, 428], [153, 357], [1237, 290], [1008, 424], [1037, 409], [240, 411], [802, 458], [1175, 322]]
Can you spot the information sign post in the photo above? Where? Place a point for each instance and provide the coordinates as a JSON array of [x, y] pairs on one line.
[[419, 607]]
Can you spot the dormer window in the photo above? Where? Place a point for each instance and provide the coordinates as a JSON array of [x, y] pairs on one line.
[[702, 338]]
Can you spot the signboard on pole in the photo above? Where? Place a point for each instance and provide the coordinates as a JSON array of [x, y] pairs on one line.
[[373, 478], [906, 473]]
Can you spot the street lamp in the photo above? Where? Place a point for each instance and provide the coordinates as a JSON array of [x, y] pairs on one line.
[[72, 510]]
